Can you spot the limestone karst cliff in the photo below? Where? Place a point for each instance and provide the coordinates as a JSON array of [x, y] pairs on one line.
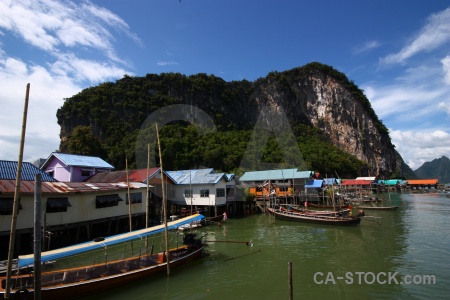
[[315, 95]]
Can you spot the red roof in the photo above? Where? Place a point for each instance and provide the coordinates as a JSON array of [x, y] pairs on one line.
[[141, 174], [356, 182]]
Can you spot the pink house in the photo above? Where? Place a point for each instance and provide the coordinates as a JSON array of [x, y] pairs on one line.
[[74, 168]]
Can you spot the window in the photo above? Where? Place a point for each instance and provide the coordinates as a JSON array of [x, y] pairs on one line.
[[6, 206], [107, 201], [85, 172], [57, 205], [220, 192], [187, 193], [204, 193], [135, 198]]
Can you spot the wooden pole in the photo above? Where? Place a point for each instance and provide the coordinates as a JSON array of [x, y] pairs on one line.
[[166, 231], [37, 237], [290, 281], [147, 199], [12, 236]]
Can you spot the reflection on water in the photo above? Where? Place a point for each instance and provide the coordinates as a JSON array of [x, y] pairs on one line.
[[413, 240]]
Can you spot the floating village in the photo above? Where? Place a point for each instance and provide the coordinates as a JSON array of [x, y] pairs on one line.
[[74, 205]]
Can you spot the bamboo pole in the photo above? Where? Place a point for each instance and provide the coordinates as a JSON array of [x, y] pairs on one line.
[[12, 237], [147, 197], [166, 231]]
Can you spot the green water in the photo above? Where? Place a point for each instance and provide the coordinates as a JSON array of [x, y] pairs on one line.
[[412, 241]]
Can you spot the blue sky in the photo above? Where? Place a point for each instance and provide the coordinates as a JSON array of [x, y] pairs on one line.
[[398, 52]]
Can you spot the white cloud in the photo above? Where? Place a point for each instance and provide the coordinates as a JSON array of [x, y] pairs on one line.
[[75, 44], [369, 45], [49, 25], [446, 67], [417, 147], [166, 63], [403, 99], [434, 33], [86, 70], [46, 95]]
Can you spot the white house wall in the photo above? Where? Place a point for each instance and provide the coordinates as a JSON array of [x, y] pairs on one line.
[[212, 200], [83, 208]]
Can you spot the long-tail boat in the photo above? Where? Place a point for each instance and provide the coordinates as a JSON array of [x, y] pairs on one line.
[[313, 218], [113, 262], [339, 212]]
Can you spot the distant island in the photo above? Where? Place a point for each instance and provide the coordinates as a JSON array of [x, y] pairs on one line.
[[437, 168]]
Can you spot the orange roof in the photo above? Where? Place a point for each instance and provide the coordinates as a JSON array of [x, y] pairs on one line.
[[423, 181]]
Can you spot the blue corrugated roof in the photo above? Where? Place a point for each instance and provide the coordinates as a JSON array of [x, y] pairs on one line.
[[199, 176], [80, 160], [275, 175], [314, 184], [8, 170], [230, 176]]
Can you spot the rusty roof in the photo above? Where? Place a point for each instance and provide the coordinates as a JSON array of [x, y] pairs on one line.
[[121, 176], [141, 174], [8, 187]]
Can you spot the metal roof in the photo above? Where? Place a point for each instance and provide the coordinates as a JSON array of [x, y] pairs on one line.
[[366, 178], [275, 175], [8, 170], [356, 182], [314, 184], [121, 176], [79, 160], [8, 187], [422, 181], [392, 182], [198, 176]]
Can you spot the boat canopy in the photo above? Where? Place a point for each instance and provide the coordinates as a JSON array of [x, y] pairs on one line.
[[28, 260]]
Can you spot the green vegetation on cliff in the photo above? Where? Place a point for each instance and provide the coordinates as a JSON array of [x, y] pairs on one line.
[[105, 121]]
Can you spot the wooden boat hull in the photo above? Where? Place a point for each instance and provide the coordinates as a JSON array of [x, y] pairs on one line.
[[314, 219], [378, 207], [326, 206], [92, 286], [317, 212]]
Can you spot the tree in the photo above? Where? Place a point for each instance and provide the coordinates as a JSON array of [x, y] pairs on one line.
[[82, 141]]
